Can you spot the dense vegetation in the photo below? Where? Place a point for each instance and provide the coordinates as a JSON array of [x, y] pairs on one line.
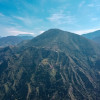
[[56, 65]]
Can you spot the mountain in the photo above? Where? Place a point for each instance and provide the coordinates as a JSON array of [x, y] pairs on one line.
[[56, 65], [13, 40], [9, 40], [25, 36], [95, 36], [97, 39], [59, 40]]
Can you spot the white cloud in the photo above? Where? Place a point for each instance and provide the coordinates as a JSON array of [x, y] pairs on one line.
[[86, 31], [8, 26], [90, 5], [97, 5], [94, 19], [61, 18], [6, 20], [14, 31], [93, 5], [25, 20], [1, 14], [82, 3], [41, 32], [19, 18], [28, 20]]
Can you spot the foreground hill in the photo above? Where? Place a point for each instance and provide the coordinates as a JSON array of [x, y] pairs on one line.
[[13, 40], [56, 65], [95, 36]]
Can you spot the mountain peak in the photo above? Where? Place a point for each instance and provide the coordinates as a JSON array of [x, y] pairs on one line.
[[55, 33], [55, 29], [25, 35], [57, 39], [53, 66]]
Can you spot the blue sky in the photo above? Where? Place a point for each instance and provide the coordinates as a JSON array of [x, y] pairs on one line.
[[37, 16]]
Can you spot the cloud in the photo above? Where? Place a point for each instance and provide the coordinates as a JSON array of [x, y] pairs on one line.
[[19, 18], [13, 31], [97, 5], [1, 14], [93, 5], [41, 32], [28, 20], [6, 21], [61, 18], [25, 20], [12, 25], [56, 17], [94, 19], [90, 5], [86, 31], [82, 3]]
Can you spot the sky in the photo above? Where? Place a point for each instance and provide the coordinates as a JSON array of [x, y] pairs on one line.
[[36, 16]]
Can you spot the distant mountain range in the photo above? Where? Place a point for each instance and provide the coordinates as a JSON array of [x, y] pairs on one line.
[[95, 36], [56, 65], [14, 40]]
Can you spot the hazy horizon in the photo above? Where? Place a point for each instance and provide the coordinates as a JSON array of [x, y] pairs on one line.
[[30, 34]]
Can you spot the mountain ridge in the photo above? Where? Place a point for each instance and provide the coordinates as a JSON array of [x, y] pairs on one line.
[[13, 40], [53, 66], [95, 36], [55, 38], [92, 35]]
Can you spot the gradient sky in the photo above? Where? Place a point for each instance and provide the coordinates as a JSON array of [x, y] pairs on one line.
[[36, 16]]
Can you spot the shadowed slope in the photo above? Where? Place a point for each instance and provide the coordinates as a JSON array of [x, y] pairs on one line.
[[56, 65]]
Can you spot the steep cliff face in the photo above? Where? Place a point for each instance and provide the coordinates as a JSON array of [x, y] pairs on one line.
[[56, 65]]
